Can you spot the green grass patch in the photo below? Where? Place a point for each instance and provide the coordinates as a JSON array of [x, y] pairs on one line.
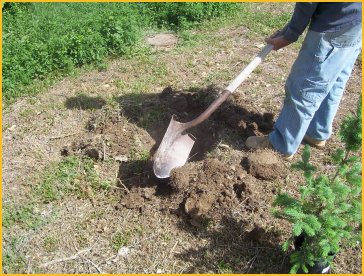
[[13, 260], [224, 268], [43, 42], [48, 40], [22, 215], [120, 239], [72, 176]]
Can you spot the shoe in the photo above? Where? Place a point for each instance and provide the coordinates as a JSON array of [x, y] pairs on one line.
[[262, 142], [320, 144]]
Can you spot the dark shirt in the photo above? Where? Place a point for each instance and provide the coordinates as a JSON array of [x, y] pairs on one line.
[[323, 17]]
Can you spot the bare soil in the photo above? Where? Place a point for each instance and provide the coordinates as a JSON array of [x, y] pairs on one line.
[[211, 216]]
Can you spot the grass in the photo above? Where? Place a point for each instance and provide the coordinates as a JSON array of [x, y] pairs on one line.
[[72, 176], [93, 31], [50, 244], [21, 215], [120, 239], [224, 268], [69, 177], [44, 41], [13, 260]]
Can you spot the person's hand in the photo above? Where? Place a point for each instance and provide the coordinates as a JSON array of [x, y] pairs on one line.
[[277, 40]]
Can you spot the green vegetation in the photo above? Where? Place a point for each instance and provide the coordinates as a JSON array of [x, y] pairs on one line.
[[224, 268], [45, 41], [50, 244], [13, 261], [328, 212], [22, 215], [72, 176], [119, 240], [186, 15], [41, 38]]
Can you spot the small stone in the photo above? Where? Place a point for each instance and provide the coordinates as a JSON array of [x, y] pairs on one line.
[[224, 146], [12, 128], [241, 176], [123, 251], [121, 158]]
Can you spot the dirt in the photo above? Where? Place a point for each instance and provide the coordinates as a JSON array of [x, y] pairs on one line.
[[265, 165], [205, 189]]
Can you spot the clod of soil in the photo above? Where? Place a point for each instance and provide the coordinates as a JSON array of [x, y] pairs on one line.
[[209, 189], [265, 165]]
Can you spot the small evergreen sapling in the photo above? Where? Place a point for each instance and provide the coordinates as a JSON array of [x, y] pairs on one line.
[[328, 210]]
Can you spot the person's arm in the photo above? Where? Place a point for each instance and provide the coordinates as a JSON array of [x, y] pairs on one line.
[[300, 19]]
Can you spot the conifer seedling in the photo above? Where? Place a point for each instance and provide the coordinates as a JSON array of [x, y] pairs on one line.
[[327, 213]]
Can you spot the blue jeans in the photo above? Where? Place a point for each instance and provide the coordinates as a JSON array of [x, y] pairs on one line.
[[315, 86]]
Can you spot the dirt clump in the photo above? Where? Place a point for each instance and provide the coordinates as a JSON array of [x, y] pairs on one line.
[[210, 192], [265, 165]]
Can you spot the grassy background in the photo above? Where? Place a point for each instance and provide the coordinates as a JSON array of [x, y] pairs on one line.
[[40, 38], [45, 41]]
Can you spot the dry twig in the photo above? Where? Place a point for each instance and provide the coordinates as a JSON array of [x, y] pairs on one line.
[[66, 258]]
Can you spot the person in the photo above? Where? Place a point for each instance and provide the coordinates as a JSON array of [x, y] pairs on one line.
[[318, 76]]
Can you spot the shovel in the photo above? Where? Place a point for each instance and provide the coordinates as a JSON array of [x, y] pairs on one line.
[[176, 145]]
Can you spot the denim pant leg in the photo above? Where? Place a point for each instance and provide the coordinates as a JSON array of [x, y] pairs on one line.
[[313, 75], [320, 127]]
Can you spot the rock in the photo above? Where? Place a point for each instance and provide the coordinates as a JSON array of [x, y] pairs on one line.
[[121, 158]]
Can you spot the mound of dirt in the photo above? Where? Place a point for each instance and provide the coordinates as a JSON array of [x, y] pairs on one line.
[[205, 189], [265, 165], [210, 192]]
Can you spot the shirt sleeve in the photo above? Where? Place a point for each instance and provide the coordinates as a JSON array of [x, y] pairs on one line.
[[301, 17]]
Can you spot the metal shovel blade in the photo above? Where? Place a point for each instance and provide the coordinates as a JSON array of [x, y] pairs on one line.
[[173, 151]]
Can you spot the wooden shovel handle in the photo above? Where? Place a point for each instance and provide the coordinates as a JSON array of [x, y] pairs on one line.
[[231, 87]]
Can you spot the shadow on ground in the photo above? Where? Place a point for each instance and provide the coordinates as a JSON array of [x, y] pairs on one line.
[[231, 123], [233, 249], [85, 102]]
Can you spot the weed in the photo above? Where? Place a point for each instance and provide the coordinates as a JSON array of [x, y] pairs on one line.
[[119, 240], [167, 237], [120, 84], [82, 240], [224, 268], [28, 112]]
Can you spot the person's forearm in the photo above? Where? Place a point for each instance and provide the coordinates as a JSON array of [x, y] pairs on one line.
[[301, 17]]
